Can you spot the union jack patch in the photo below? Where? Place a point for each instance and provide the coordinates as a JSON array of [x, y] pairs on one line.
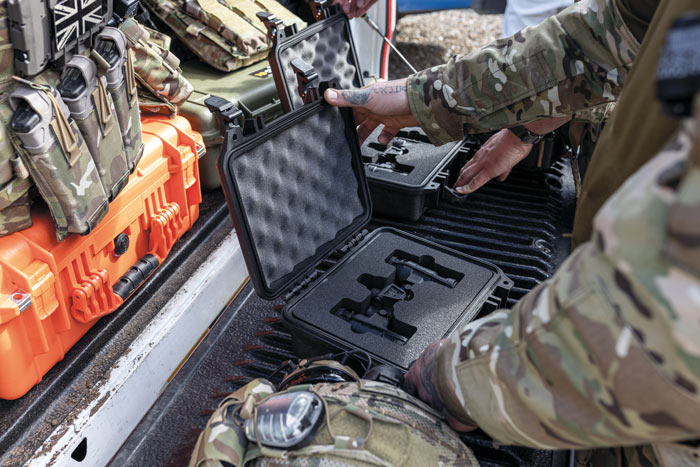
[[73, 18]]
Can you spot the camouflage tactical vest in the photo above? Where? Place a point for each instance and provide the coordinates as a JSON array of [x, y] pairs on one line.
[[226, 34], [95, 139], [366, 423]]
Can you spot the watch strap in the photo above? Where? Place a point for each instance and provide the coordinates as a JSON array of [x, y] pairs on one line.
[[525, 135]]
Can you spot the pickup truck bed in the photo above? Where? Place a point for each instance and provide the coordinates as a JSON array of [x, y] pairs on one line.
[[88, 405], [518, 225]]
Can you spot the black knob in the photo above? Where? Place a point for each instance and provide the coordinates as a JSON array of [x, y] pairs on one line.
[[121, 244]]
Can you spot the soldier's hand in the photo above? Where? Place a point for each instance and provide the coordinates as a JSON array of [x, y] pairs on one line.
[[499, 155], [355, 8], [419, 381], [494, 159], [382, 103]]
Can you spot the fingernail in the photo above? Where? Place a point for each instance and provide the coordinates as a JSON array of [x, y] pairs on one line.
[[461, 190], [332, 95], [383, 140]]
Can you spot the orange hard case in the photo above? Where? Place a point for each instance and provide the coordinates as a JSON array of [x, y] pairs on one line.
[[52, 293]]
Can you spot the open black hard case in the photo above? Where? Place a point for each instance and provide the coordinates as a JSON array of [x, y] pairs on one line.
[[298, 194], [326, 45]]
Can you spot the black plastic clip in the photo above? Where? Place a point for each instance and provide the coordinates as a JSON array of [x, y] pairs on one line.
[[323, 9], [229, 119], [308, 81], [253, 125], [276, 30], [451, 195]]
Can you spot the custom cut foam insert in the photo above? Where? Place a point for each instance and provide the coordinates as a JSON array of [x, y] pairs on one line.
[[433, 310], [418, 160]]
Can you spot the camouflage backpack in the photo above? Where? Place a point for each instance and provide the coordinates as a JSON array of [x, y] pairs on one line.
[[226, 34], [364, 423]]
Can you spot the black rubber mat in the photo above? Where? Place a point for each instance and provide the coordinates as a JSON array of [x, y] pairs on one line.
[[520, 225]]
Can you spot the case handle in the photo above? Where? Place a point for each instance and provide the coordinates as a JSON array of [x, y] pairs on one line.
[[323, 9], [276, 30]]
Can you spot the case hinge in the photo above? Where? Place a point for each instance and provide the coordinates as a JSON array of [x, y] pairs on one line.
[[301, 285], [229, 120], [276, 30], [307, 80], [352, 243], [323, 9]]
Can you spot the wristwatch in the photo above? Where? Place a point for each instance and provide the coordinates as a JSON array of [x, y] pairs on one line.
[[525, 135]]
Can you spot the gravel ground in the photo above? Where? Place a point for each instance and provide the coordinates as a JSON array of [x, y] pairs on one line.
[[429, 39]]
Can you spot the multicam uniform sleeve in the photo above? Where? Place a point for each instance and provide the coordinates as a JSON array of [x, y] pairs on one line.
[[606, 353], [571, 61]]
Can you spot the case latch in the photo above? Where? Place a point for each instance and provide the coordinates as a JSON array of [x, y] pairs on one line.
[[308, 80], [276, 30], [228, 117], [323, 9], [309, 84]]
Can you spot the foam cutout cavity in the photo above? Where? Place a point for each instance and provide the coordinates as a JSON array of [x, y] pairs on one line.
[[329, 52], [298, 191]]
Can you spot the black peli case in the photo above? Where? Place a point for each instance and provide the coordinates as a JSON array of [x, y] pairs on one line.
[[326, 45], [408, 175], [298, 195]]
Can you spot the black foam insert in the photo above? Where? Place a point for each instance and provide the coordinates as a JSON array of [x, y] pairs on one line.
[[432, 312], [329, 51], [418, 161], [297, 200]]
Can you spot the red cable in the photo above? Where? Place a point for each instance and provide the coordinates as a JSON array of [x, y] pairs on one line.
[[389, 33]]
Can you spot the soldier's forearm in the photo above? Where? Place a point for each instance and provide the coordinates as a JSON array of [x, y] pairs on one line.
[[568, 368], [571, 61]]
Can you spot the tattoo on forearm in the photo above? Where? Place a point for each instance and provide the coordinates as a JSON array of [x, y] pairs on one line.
[[362, 96], [389, 89], [359, 97]]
